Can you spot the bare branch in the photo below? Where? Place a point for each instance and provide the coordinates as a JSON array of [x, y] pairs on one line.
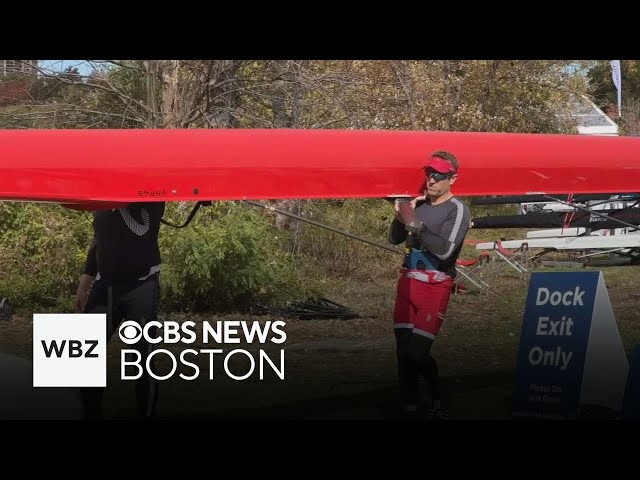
[[112, 90]]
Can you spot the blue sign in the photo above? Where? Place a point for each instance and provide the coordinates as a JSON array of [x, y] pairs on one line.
[[554, 343]]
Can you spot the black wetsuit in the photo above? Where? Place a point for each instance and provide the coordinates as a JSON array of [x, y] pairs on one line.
[[125, 259]]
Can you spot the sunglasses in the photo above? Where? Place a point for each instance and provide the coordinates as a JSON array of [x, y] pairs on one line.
[[437, 176]]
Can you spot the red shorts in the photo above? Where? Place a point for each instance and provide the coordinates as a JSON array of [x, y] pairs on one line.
[[421, 305]]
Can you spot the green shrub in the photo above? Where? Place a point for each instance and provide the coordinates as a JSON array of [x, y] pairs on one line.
[[228, 257]]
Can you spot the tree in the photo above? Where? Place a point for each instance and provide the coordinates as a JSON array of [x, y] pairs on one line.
[[603, 89]]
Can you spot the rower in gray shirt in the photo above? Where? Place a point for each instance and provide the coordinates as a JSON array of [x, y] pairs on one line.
[[440, 239]]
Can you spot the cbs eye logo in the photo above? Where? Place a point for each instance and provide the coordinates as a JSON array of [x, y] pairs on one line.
[[130, 332]]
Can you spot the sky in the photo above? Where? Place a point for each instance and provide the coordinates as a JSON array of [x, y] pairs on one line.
[[59, 65]]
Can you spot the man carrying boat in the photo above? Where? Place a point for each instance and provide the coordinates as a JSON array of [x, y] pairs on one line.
[[121, 279], [433, 226]]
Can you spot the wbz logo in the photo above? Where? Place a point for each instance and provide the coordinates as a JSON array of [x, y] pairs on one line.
[[69, 350], [74, 348]]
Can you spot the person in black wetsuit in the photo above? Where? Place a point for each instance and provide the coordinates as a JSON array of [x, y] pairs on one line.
[[121, 278]]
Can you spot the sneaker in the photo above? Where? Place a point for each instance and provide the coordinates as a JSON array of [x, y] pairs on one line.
[[438, 414]]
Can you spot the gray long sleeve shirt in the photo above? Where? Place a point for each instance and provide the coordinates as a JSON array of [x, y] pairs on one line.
[[444, 228]]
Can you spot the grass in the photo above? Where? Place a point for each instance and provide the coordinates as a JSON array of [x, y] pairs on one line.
[[476, 349], [347, 368]]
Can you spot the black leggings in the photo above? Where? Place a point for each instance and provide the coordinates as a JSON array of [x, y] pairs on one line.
[[414, 359], [139, 302]]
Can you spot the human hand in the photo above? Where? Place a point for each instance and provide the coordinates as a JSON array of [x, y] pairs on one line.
[[396, 210], [82, 293], [421, 198]]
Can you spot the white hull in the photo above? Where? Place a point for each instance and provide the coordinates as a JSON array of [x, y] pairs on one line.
[[570, 243]]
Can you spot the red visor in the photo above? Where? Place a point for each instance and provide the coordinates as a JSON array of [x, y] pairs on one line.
[[440, 165]]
